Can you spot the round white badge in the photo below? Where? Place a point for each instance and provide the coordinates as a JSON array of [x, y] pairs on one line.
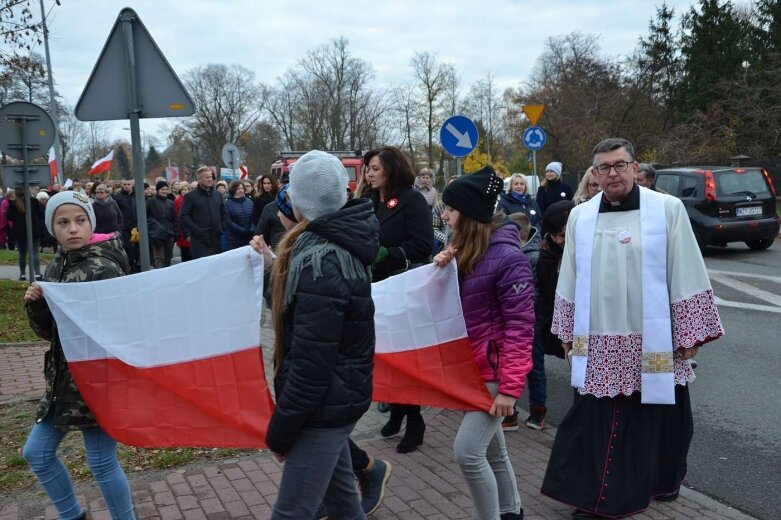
[[563, 194], [624, 237], [533, 212]]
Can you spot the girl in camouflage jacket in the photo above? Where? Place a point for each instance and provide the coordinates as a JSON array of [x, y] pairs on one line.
[[82, 256]]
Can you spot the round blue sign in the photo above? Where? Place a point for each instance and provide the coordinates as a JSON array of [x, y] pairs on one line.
[[458, 136], [534, 138]]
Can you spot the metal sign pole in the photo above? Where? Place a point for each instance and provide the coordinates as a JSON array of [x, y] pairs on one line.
[[135, 138], [458, 166], [52, 103], [534, 162], [28, 203]]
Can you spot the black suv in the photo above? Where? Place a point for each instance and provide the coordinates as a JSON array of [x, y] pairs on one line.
[[725, 204]]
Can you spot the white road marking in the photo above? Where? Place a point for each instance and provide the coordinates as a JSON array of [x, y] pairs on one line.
[[749, 289]]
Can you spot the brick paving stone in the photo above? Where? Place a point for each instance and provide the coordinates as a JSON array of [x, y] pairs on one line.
[[237, 509], [194, 514], [187, 502], [212, 506], [170, 513]]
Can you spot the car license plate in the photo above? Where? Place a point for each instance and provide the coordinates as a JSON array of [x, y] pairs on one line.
[[751, 210]]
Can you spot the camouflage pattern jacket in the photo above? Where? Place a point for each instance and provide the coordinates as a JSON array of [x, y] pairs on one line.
[[103, 258]]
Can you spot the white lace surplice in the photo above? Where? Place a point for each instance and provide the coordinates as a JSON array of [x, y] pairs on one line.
[[615, 329]]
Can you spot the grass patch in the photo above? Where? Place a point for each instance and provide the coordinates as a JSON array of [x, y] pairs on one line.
[[12, 258], [13, 318], [16, 419]]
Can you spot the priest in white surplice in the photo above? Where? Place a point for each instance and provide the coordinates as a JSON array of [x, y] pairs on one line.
[[633, 304]]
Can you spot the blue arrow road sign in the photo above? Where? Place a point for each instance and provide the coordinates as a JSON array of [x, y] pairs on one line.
[[458, 136], [534, 138]]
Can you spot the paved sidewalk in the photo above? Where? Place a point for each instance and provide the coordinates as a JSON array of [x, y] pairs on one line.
[[426, 484], [21, 371]]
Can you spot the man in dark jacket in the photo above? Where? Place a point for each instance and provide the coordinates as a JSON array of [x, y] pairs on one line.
[[161, 222], [127, 206], [202, 214]]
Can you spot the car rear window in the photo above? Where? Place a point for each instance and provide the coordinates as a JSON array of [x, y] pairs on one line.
[[732, 183], [352, 172]]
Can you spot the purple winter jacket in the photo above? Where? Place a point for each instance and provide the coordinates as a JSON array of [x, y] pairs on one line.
[[498, 304]]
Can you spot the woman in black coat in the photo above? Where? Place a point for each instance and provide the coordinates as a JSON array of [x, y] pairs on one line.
[[518, 200], [265, 193], [406, 241], [552, 190], [17, 217]]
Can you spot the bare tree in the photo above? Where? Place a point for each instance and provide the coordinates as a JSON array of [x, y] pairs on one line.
[[326, 101], [229, 103], [406, 111], [433, 80]]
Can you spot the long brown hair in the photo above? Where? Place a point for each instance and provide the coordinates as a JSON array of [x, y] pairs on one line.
[[278, 282], [471, 239]]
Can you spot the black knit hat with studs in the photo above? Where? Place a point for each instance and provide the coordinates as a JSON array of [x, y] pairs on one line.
[[474, 195]]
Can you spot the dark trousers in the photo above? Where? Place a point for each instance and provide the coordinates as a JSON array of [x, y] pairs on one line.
[[318, 468], [162, 251], [205, 247], [131, 250], [359, 457], [187, 253]]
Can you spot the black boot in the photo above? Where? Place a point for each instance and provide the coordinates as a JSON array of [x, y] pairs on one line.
[[512, 516], [393, 426], [413, 436]]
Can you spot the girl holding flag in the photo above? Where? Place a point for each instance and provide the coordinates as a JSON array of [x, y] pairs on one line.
[[497, 296], [83, 256], [324, 339]]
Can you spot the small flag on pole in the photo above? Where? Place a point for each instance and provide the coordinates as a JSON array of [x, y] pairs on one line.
[[53, 165], [102, 165]]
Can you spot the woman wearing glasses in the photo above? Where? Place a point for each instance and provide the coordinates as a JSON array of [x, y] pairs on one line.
[[587, 188]]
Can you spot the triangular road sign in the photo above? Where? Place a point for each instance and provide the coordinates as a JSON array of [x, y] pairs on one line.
[[159, 91], [533, 112]]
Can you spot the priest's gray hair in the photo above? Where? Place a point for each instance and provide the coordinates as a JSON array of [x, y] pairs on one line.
[[614, 143]]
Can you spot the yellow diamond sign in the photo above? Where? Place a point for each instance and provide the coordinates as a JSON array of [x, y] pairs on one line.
[[533, 112]]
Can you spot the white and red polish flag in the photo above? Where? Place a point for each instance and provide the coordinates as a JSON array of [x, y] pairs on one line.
[[52, 165], [102, 165], [422, 355], [171, 357], [171, 172]]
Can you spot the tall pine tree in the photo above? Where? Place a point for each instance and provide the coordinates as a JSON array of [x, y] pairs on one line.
[[715, 47], [660, 62], [152, 158]]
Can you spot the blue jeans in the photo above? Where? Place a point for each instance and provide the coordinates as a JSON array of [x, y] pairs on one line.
[[40, 452], [535, 380], [318, 467], [481, 453], [22, 246]]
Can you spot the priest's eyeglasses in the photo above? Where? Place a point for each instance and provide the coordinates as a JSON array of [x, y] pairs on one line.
[[619, 167]]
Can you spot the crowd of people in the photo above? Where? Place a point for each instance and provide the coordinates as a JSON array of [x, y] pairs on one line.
[[557, 274]]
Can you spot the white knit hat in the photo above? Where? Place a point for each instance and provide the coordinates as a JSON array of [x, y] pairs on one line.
[[68, 197], [554, 167], [318, 184]]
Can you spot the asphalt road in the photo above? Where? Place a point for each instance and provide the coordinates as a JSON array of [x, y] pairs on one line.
[[736, 398]]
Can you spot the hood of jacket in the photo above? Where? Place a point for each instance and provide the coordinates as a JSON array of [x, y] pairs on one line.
[[102, 248], [354, 228], [534, 241], [508, 234]]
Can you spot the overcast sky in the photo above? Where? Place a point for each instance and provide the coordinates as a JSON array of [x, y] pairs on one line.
[[503, 37]]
